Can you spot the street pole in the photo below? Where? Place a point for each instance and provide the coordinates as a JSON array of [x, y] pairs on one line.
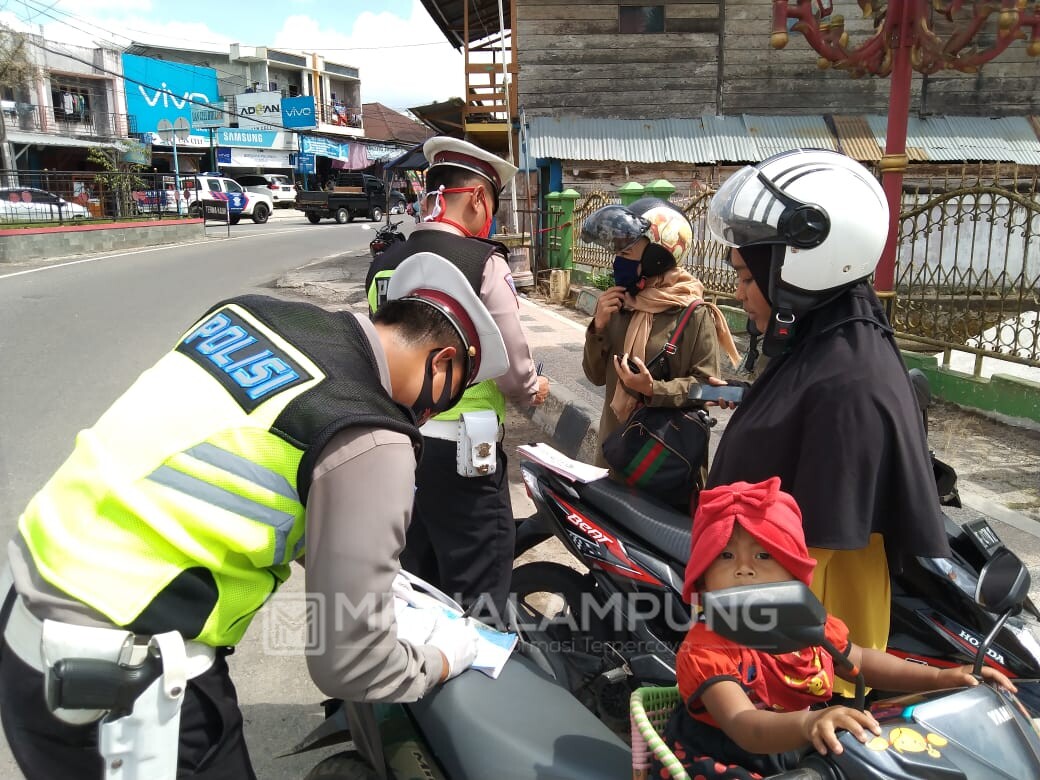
[[895, 161], [176, 174]]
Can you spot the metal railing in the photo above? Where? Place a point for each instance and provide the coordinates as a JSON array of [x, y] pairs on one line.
[[340, 115], [55, 121], [967, 270], [41, 198]]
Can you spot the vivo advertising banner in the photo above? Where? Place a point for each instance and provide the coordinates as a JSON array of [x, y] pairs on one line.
[[298, 112], [156, 89], [259, 109]]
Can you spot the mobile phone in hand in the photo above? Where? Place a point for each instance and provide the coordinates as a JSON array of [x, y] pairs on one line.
[[630, 363], [730, 393]]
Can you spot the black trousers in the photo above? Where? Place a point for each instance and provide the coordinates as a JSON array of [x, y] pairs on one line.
[[463, 535], [211, 746]]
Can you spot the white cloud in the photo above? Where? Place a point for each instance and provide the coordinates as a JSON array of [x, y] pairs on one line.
[[403, 62], [400, 74]]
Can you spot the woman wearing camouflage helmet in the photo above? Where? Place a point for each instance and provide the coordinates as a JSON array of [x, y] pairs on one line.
[[635, 318]]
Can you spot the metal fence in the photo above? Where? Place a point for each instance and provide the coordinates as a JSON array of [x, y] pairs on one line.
[[62, 197], [967, 270]]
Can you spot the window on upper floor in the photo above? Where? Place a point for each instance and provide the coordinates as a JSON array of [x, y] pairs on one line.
[[636, 19]]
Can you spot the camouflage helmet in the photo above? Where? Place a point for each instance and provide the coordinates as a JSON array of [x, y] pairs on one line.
[[669, 228], [614, 228]]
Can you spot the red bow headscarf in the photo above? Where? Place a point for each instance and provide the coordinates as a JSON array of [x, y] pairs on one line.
[[770, 515]]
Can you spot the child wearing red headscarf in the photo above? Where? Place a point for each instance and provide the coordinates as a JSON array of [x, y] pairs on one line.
[[746, 714]]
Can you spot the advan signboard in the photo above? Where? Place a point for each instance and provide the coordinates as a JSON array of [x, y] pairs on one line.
[[157, 90], [259, 109]]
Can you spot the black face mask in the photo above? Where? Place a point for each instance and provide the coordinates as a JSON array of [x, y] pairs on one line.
[[425, 406]]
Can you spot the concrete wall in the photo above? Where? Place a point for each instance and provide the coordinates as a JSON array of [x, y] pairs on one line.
[[53, 242]]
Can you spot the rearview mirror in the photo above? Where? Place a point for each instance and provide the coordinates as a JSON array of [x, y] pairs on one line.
[[1003, 582], [780, 617]]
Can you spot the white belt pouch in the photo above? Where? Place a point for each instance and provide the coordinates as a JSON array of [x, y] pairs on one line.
[[477, 444]]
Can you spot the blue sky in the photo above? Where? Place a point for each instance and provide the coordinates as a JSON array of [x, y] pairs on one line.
[[403, 57]]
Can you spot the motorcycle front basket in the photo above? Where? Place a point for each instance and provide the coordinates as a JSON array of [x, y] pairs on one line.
[[649, 711]]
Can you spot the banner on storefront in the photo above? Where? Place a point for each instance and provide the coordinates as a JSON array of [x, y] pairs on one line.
[[252, 158], [157, 90], [255, 139], [324, 147], [298, 112], [259, 109]]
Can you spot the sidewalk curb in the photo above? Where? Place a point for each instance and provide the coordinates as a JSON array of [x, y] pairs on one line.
[[570, 422]]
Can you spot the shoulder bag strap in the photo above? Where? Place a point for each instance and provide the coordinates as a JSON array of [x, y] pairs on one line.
[[671, 345]]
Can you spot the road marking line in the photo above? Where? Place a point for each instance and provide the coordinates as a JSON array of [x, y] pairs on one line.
[[550, 313]]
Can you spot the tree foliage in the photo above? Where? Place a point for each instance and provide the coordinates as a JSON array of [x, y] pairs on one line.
[[16, 62]]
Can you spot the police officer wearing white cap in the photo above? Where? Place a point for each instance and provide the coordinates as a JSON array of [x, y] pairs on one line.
[[273, 431], [463, 537]]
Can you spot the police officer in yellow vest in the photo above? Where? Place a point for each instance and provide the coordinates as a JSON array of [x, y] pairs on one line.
[[463, 537], [255, 442]]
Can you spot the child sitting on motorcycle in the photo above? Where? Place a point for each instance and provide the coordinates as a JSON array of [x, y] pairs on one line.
[[747, 713]]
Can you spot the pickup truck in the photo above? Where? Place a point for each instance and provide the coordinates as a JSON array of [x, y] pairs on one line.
[[352, 195]]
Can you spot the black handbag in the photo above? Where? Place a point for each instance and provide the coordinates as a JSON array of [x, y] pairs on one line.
[[660, 450]]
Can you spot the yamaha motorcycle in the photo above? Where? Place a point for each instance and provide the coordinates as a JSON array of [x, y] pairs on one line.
[[386, 236], [975, 732], [618, 625]]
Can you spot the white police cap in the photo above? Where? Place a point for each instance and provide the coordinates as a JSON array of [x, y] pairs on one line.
[[432, 279], [444, 150]]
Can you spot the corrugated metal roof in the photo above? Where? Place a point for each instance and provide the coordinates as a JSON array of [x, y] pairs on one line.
[[736, 139], [957, 138], [856, 139], [774, 134]]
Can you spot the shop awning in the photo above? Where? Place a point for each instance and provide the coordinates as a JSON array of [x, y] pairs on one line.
[[42, 139]]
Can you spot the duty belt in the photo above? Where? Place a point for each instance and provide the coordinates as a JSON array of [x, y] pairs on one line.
[[448, 430]]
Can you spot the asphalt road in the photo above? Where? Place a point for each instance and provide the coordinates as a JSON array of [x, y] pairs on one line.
[[75, 333]]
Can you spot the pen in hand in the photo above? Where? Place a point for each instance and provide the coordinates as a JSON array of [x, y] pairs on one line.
[[538, 368]]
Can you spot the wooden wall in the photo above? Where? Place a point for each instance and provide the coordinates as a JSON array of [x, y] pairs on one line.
[[574, 62]]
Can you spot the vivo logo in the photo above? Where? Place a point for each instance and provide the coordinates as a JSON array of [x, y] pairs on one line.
[[169, 98], [297, 112]]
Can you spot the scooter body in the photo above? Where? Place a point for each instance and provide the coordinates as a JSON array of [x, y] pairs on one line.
[[635, 549], [521, 726]]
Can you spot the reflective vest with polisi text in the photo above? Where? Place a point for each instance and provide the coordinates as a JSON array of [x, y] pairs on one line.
[[183, 506], [469, 255]]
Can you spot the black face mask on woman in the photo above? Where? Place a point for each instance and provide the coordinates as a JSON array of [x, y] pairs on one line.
[[425, 406]]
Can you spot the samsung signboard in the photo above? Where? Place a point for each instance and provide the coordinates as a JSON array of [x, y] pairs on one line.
[[156, 90]]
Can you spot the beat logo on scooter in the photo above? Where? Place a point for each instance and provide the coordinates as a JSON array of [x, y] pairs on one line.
[[593, 533]]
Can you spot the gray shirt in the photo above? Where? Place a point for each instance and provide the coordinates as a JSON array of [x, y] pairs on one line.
[[358, 510]]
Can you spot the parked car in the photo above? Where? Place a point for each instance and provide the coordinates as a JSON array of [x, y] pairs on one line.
[[213, 186], [279, 186], [352, 195], [28, 204]]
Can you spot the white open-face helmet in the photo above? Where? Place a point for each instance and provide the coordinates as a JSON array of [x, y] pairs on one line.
[[827, 209]]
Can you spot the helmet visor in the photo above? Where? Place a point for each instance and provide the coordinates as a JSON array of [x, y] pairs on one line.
[[746, 210], [613, 228]]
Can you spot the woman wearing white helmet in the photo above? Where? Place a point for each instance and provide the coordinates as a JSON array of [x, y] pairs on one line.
[[833, 414], [635, 318]]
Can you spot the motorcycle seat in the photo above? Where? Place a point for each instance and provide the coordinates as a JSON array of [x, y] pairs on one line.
[[647, 519], [524, 726]]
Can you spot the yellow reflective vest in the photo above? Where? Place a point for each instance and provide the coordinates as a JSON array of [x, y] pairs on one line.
[[184, 505]]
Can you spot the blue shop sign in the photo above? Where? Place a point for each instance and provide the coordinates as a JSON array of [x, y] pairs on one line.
[[223, 155], [298, 112], [303, 163], [157, 90], [324, 147], [256, 139]]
